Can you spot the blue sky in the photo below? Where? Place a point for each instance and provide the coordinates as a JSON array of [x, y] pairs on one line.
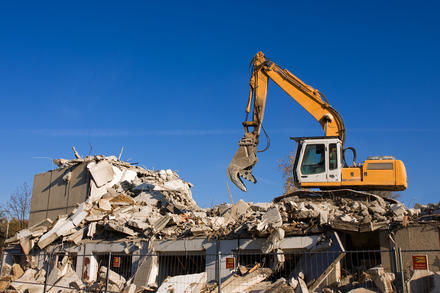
[[169, 82]]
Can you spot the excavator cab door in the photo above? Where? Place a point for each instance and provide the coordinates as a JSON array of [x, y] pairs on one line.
[[319, 160]]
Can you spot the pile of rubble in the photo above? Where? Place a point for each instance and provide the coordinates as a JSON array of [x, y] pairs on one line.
[[130, 202], [138, 203], [256, 280]]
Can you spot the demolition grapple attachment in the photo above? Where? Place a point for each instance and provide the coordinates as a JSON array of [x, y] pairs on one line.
[[243, 161]]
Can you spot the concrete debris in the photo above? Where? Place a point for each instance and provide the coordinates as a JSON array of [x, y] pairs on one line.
[[92, 230], [273, 241], [26, 244], [129, 202], [279, 286], [236, 283], [17, 271], [62, 277], [31, 281], [147, 272], [382, 279], [183, 284], [68, 278], [361, 290], [131, 288], [302, 286], [272, 218], [102, 172], [114, 278]]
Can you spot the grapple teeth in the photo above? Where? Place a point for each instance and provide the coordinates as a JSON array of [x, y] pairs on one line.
[[235, 178], [242, 163]]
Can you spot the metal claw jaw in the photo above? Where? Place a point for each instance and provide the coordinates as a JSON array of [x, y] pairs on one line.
[[243, 161]]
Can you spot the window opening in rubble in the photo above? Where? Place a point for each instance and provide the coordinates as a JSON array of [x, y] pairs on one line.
[[175, 263], [362, 252], [250, 258], [120, 263], [19, 259], [314, 159]]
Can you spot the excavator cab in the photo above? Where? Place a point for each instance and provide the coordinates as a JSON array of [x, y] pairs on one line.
[[320, 163], [318, 159]]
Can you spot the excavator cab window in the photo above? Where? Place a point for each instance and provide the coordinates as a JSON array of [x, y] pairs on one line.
[[314, 159], [333, 156]]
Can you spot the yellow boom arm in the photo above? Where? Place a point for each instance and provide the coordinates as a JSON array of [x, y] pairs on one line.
[[309, 98]]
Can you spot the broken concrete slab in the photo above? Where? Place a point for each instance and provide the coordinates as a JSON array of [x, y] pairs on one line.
[[130, 289], [279, 286], [383, 280], [61, 228], [302, 286], [26, 244], [31, 281], [102, 172], [113, 277], [192, 283], [147, 272], [361, 290], [241, 208], [104, 204], [91, 230], [95, 215], [122, 229], [68, 279], [138, 224], [17, 271], [80, 213], [272, 218], [122, 199], [161, 223], [236, 284], [273, 241], [96, 193]]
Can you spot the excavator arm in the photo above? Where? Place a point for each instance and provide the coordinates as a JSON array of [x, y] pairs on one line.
[[309, 98]]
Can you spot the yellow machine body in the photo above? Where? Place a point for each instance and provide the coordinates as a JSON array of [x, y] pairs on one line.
[[387, 175]]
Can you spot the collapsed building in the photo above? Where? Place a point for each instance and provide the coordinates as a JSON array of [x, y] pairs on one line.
[[100, 222]]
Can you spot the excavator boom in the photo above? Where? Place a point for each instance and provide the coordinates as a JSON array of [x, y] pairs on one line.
[[311, 99]]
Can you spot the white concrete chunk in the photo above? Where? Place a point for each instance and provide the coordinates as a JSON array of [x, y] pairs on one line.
[[81, 212], [128, 175], [102, 172], [91, 230], [272, 218], [183, 284]]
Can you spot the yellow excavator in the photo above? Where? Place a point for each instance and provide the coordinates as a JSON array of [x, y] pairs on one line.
[[319, 161]]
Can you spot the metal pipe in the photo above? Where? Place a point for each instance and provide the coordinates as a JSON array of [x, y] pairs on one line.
[[108, 269], [395, 261], [219, 275], [47, 272], [402, 279]]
